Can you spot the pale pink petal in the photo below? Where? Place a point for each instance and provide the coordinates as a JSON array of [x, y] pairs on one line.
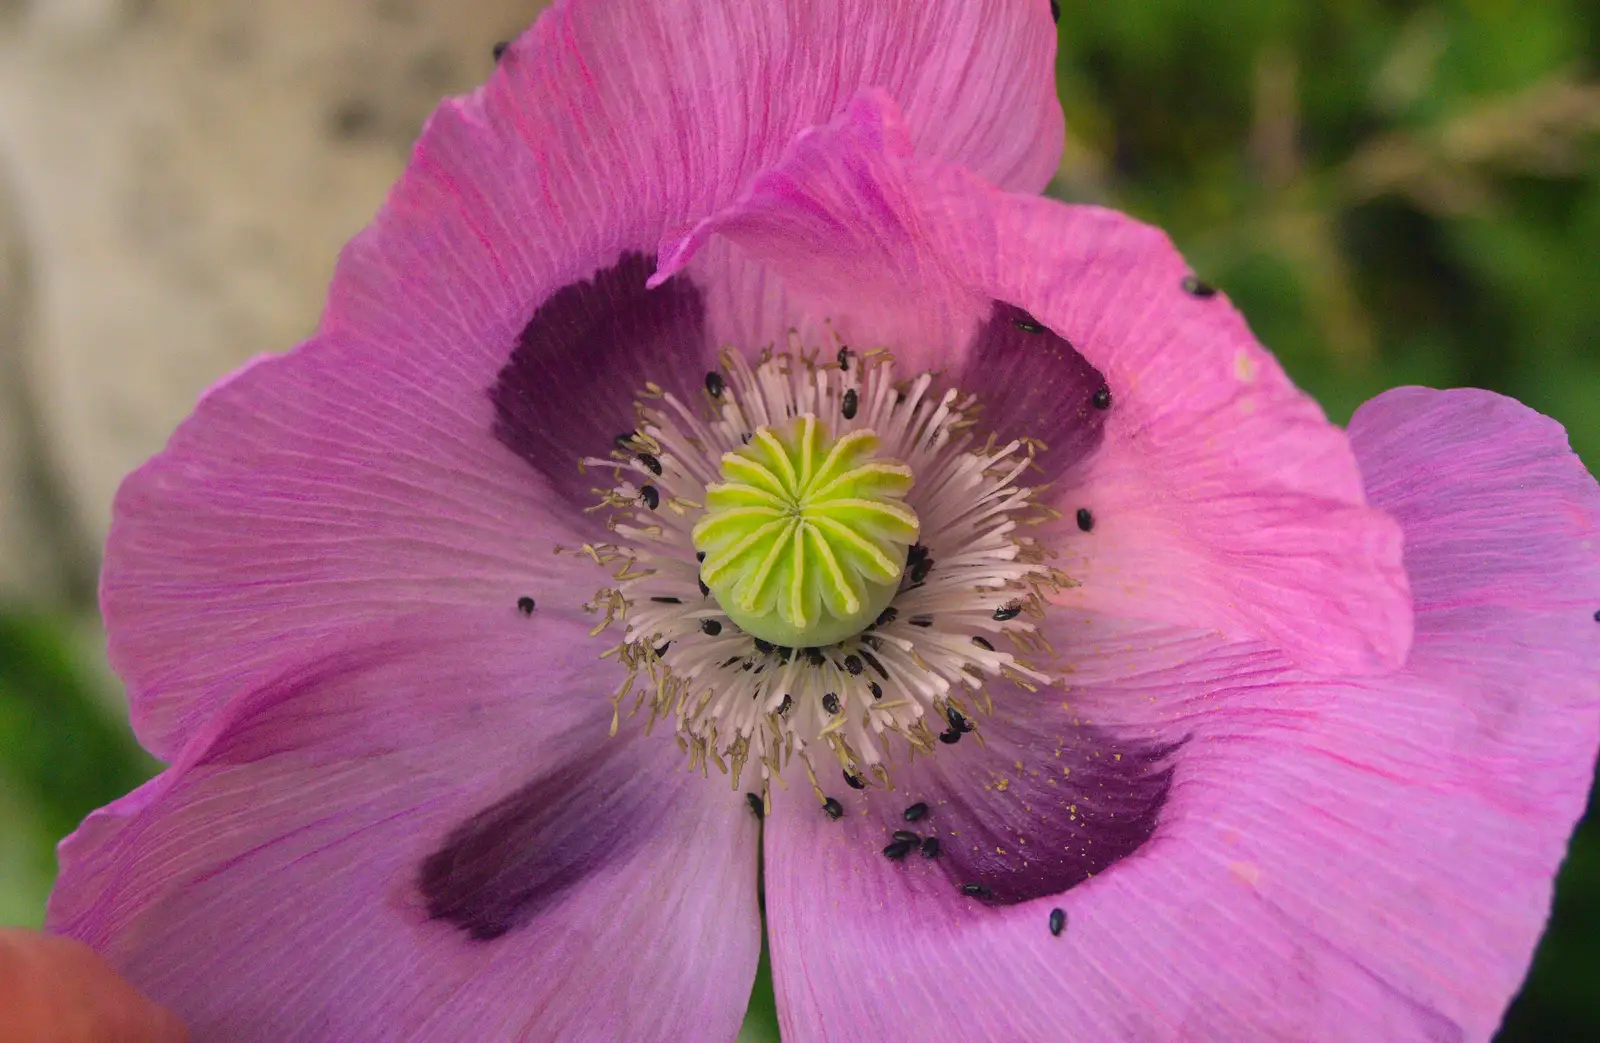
[[1218, 495], [329, 488], [614, 124], [1333, 860], [371, 470], [426, 834], [839, 221]]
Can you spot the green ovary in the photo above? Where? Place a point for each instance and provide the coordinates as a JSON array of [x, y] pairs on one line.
[[805, 539]]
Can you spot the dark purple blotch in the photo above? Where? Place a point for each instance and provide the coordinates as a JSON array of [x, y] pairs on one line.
[[506, 864], [582, 361], [1040, 830], [1031, 382]]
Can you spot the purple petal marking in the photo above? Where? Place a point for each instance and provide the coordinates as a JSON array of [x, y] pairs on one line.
[[501, 867], [582, 361], [1079, 804], [1032, 382]]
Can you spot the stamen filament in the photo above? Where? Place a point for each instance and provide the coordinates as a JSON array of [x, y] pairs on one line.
[[801, 507]]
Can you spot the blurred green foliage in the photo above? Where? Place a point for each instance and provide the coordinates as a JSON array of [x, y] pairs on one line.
[[63, 752], [1392, 192]]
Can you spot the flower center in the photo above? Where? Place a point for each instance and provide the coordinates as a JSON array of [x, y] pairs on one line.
[[819, 562], [806, 536]]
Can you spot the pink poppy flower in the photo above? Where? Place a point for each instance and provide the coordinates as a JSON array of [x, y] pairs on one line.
[[965, 578]]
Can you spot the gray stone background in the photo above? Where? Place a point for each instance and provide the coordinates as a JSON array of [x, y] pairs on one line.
[[176, 180]]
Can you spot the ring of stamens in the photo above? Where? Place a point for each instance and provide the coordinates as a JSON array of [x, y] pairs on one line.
[[962, 613]]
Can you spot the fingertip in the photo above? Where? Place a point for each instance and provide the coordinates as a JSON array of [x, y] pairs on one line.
[[58, 990]]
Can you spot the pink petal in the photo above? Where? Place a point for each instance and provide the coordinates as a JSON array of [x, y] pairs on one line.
[[362, 473], [1334, 860], [426, 834], [307, 495], [1219, 496], [839, 221]]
